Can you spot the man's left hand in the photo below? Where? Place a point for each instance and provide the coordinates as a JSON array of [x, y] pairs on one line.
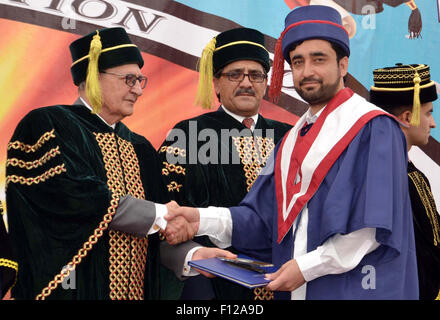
[[287, 278]]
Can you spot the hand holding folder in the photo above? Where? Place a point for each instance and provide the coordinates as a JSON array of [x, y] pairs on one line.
[[242, 270]]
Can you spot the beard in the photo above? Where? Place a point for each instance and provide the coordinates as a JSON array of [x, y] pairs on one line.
[[322, 95]]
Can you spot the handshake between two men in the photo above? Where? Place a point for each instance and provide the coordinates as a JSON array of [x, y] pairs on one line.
[[183, 224]]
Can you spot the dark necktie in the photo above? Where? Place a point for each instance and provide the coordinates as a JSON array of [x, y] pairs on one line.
[[248, 122], [305, 129]]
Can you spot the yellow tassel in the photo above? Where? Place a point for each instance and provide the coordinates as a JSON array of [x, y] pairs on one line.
[[204, 96], [411, 4], [93, 88], [415, 118]]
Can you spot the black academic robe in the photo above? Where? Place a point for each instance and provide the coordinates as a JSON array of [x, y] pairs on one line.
[[213, 160], [427, 233], [66, 171]]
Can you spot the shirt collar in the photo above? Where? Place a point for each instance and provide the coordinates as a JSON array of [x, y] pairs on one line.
[[311, 118], [90, 108], [241, 118]]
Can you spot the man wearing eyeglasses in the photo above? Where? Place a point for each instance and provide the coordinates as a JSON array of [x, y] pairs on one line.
[[213, 159], [76, 174], [333, 213]]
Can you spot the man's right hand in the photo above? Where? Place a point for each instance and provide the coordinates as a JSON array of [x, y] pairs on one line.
[[179, 230]]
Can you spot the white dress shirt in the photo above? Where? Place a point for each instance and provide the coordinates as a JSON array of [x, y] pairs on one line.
[[90, 108], [339, 254], [241, 118]]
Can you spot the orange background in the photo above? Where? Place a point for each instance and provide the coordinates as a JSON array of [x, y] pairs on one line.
[[35, 72]]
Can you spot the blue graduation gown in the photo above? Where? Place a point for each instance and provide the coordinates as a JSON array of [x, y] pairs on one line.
[[367, 186]]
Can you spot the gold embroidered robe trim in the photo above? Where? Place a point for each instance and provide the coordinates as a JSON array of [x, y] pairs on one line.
[[174, 186], [428, 202], [36, 163], [128, 254], [37, 179], [174, 150], [254, 152], [32, 148], [169, 167]]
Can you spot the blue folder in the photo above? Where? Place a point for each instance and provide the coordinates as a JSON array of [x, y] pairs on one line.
[[237, 274]]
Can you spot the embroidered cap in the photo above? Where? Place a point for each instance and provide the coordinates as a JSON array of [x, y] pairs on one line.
[[403, 85], [227, 47], [97, 51], [306, 23]]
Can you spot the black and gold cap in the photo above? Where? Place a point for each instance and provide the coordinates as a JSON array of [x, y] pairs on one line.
[[227, 47], [403, 85], [97, 51], [116, 49]]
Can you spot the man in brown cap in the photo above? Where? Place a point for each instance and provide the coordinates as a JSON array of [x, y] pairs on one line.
[[76, 171]]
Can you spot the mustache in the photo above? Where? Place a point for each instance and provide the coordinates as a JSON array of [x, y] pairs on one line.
[[249, 91], [305, 80]]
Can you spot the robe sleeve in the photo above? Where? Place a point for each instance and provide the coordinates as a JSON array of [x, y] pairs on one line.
[[366, 188], [173, 257], [134, 216], [56, 195]]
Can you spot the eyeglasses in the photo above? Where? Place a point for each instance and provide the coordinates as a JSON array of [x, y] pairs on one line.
[[239, 76], [130, 79]]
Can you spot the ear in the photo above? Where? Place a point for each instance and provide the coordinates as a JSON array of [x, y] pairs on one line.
[[350, 25], [216, 85], [343, 66], [405, 117]]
